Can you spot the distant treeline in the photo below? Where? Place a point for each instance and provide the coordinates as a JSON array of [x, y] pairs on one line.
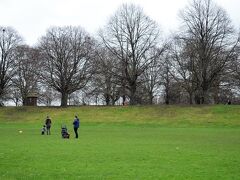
[[127, 62]]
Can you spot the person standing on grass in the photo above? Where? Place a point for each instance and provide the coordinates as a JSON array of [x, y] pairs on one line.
[[76, 125], [48, 123]]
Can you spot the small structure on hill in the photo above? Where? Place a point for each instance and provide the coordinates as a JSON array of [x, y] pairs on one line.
[[32, 99]]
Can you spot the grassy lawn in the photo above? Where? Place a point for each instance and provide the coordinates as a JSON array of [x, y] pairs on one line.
[[151, 142]]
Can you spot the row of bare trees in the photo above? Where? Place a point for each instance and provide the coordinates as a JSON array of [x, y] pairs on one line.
[[127, 62]]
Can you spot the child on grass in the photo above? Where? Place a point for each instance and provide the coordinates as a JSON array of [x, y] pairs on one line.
[[44, 129]]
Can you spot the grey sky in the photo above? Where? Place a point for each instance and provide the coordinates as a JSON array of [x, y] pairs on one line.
[[31, 18]]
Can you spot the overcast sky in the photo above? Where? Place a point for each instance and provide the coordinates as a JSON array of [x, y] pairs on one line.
[[31, 18]]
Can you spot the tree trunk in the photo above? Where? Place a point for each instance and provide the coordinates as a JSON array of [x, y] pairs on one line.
[[204, 99], [24, 101], [167, 95], [123, 100], [107, 99], [113, 102], [133, 100], [64, 99], [150, 98], [216, 96], [49, 102], [167, 101], [96, 100], [16, 102], [190, 98], [197, 99]]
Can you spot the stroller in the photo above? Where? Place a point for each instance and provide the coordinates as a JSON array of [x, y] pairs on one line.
[[64, 132]]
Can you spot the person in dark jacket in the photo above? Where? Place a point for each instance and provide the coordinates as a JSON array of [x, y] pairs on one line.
[[76, 123], [48, 123]]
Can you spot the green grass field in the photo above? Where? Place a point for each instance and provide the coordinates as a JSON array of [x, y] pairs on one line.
[[141, 142]]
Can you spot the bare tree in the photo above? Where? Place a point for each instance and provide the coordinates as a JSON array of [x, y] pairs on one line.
[[47, 95], [67, 55], [9, 41], [14, 95], [210, 41], [130, 35], [152, 75], [182, 63], [27, 71], [105, 79], [236, 69], [166, 77]]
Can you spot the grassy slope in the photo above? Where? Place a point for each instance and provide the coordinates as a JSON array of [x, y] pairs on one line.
[[161, 115], [146, 143]]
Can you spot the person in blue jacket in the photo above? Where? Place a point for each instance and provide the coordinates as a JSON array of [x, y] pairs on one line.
[[76, 123]]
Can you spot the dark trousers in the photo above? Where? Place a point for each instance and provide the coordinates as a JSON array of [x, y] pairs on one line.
[[48, 130], [76, 133]]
